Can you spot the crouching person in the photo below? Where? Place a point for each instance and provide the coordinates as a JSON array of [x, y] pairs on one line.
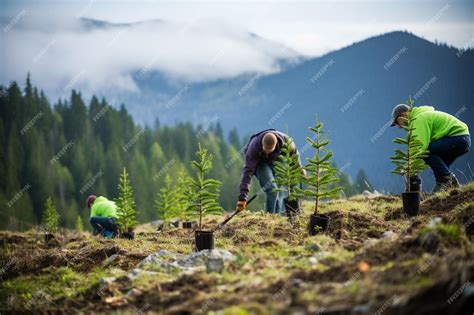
[[443, 135], [103, 216]]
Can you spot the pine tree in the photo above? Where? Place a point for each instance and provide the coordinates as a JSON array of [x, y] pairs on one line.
[[322, 175], [166, 201], [410, 162], [79, 224], [126, 212], [234, 139], [203, 196], [288, 171], [184, 193], [50, 219]]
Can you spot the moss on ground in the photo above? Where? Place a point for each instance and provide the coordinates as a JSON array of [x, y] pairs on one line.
[[278, 267]]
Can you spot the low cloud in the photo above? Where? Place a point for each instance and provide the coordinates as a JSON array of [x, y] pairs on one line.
[[99, 57]]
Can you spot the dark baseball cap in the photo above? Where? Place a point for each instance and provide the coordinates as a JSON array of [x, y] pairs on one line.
[[397, 111]]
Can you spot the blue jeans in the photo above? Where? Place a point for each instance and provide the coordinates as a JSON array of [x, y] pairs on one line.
[[274, 200], [105, 226], [444, 151]]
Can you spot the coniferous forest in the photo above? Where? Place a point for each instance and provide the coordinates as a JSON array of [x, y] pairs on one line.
[[70, 149]]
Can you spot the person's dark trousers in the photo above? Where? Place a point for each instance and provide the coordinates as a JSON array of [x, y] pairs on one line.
[[274, 201], [105, 226], [442, 153]]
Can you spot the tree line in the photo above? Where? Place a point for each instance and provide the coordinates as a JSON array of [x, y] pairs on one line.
[[70, 150]]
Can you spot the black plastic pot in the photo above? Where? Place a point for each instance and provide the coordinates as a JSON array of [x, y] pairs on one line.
[[292, 208], [128, 235], [318, 223], [411, 202], [204, 240], [188, 224], [470, 230], [49, 238], [415, 184]]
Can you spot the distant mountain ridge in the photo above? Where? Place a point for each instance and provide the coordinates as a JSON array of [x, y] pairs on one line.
[[352, 90]]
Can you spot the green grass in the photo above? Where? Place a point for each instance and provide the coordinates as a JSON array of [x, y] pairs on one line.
[[268, 253], [53, 282], [452, 232]]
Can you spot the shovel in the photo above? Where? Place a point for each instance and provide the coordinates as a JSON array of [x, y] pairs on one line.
[[221, 225]]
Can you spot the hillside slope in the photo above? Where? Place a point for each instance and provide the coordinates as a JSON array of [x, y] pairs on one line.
[[352, 90], [372, 259]]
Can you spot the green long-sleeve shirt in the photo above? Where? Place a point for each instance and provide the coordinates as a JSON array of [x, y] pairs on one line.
[[103, 207], [431, 125]]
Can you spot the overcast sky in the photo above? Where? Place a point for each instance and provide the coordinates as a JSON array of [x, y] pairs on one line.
[[202, 40]]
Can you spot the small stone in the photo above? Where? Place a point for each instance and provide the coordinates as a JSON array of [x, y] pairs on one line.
[[106, 280], [313, 247], [370, 241], [133, 292], [434, 222], [361, 308], [313, 260], [111, 259], [215, 265], [388, 234], [430, 242]]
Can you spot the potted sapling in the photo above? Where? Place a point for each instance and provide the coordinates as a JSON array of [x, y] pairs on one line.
[[409, 163], [166, 203], [321, 179], [50, 221], [126, 210], [202, 197], [288, 176]]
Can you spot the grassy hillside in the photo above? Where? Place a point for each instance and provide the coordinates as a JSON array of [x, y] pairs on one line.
[[358, 267]]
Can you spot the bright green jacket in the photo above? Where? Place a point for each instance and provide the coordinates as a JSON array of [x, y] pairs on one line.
[[103, 207], [431, 125]]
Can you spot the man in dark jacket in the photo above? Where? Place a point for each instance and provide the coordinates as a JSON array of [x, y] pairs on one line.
[[260, 154]]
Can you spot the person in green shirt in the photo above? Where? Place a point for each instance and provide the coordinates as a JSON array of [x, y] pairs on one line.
[[103, 215], [443, 135]]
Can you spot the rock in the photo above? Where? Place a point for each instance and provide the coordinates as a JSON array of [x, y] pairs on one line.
[[388, 235], [169, 260], [200, 258], [370, 194], [135, 273], [133, 293], [299, 283], [430, 242], [312, 247], [361, 308], [370, 241], [434, 222], [312, 260], [106, 280], [116, 301], [111, 259], [214, 265]]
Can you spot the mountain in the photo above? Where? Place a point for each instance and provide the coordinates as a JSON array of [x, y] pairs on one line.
[[352, 90]]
